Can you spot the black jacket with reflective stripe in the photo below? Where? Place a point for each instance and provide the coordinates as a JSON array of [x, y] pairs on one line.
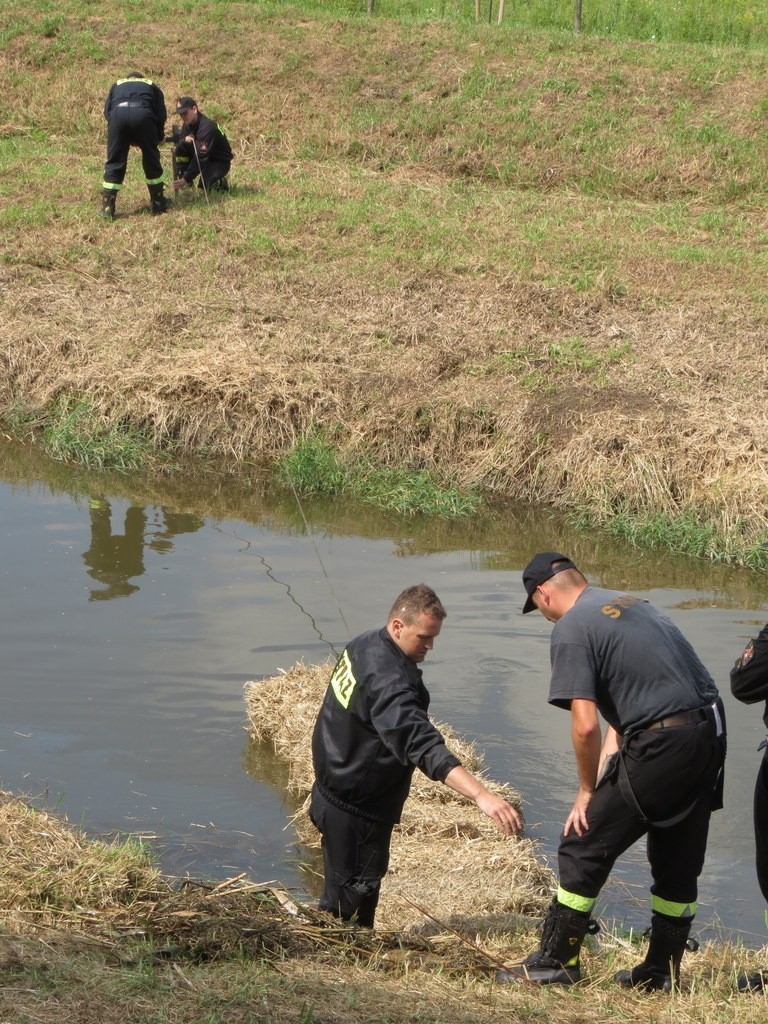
[[749, 676], [211, 142], [142, 91], [373, 730]]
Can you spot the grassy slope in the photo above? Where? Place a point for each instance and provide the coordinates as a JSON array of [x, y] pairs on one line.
[[526, 262], [535, 263], [80, 922]]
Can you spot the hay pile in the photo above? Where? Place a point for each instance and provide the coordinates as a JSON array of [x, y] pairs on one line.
[[53, 874], [448, 859], [63, 891]]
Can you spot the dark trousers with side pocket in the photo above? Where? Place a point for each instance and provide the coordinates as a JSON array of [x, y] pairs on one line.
[[132, 126], [669, 770], [761, 825], [355, 859]]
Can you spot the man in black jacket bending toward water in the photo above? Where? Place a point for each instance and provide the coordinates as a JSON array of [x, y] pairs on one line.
[[371, 733]]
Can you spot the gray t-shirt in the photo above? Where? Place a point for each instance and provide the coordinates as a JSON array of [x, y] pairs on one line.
[[628, 657]]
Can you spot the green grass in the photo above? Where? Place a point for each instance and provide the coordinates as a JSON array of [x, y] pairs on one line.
[[315, 467], [737, 23], [572, 359], [509, 210], [688, 533], [713, 22], [75, 432]]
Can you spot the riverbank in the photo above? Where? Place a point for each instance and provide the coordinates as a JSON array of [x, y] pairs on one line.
[[91, 932], [526, 264]]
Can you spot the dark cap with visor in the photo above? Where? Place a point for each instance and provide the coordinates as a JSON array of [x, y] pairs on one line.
[[185, 103], [542, 567]]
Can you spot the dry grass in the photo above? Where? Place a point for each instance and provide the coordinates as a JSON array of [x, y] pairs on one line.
[[415, 225], [447, 858], [52, 873], [121, 945]]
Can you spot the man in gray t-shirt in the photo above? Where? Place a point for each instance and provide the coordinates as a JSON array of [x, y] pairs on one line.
[[657, 771]]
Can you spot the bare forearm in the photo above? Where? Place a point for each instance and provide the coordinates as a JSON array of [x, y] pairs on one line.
[[461, 781], [507, 817], [587, 751], [586, 739]]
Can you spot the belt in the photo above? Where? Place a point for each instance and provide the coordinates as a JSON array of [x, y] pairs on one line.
[[128, 103], [681, 718]]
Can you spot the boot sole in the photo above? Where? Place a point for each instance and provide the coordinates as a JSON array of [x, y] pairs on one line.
[[521, 975], [625, 980]]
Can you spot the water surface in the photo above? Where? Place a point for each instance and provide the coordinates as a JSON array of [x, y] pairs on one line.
[[132, 613]]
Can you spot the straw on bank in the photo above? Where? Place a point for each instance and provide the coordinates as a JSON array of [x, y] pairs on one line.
[[447, 857]]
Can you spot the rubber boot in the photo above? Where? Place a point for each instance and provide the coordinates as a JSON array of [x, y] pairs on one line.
[[660, 971], [556, 962], [754, 981], [108, 199], [159, 202]]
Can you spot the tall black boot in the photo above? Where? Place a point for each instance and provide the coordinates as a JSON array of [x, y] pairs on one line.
[[159, 202], [108, 198], [556, 962], [660, 971]]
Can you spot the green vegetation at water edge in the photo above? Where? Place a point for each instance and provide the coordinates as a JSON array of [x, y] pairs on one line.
[[687, 533], [75, 432], [315, 467]]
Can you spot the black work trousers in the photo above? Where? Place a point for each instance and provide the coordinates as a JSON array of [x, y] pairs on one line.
[[670, 771], [355, 859], [761, 825], [211, 171], [132, 126]]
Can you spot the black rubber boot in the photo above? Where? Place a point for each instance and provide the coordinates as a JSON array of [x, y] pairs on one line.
[[754, 981], [108, 199], [556, 962], [660, 971], [159, 202]]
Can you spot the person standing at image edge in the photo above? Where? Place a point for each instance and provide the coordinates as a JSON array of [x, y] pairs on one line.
[[370, 735], [135, 113], [749, 684], [657, 773]]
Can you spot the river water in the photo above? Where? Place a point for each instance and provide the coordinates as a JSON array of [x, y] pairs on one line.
[[132, 613]]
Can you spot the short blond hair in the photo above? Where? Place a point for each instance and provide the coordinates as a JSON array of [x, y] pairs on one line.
[[415, 601]]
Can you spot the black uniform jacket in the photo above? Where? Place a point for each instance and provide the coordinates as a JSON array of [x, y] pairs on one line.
[[749, 676], [138, 92], [211, 142], [373, 730]]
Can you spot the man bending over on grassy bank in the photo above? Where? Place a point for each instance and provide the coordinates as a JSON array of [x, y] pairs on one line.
[[135, 114], [371, 733], [658, 772]]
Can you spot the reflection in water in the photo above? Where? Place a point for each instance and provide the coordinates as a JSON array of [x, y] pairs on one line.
[[503, 538], [263, 765], [133, 710], [114, 559]]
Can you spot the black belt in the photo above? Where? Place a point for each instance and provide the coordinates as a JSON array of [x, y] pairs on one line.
[[681, 718]]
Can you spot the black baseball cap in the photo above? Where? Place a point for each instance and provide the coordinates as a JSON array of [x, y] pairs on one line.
[[184, 103], [542, 567]]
